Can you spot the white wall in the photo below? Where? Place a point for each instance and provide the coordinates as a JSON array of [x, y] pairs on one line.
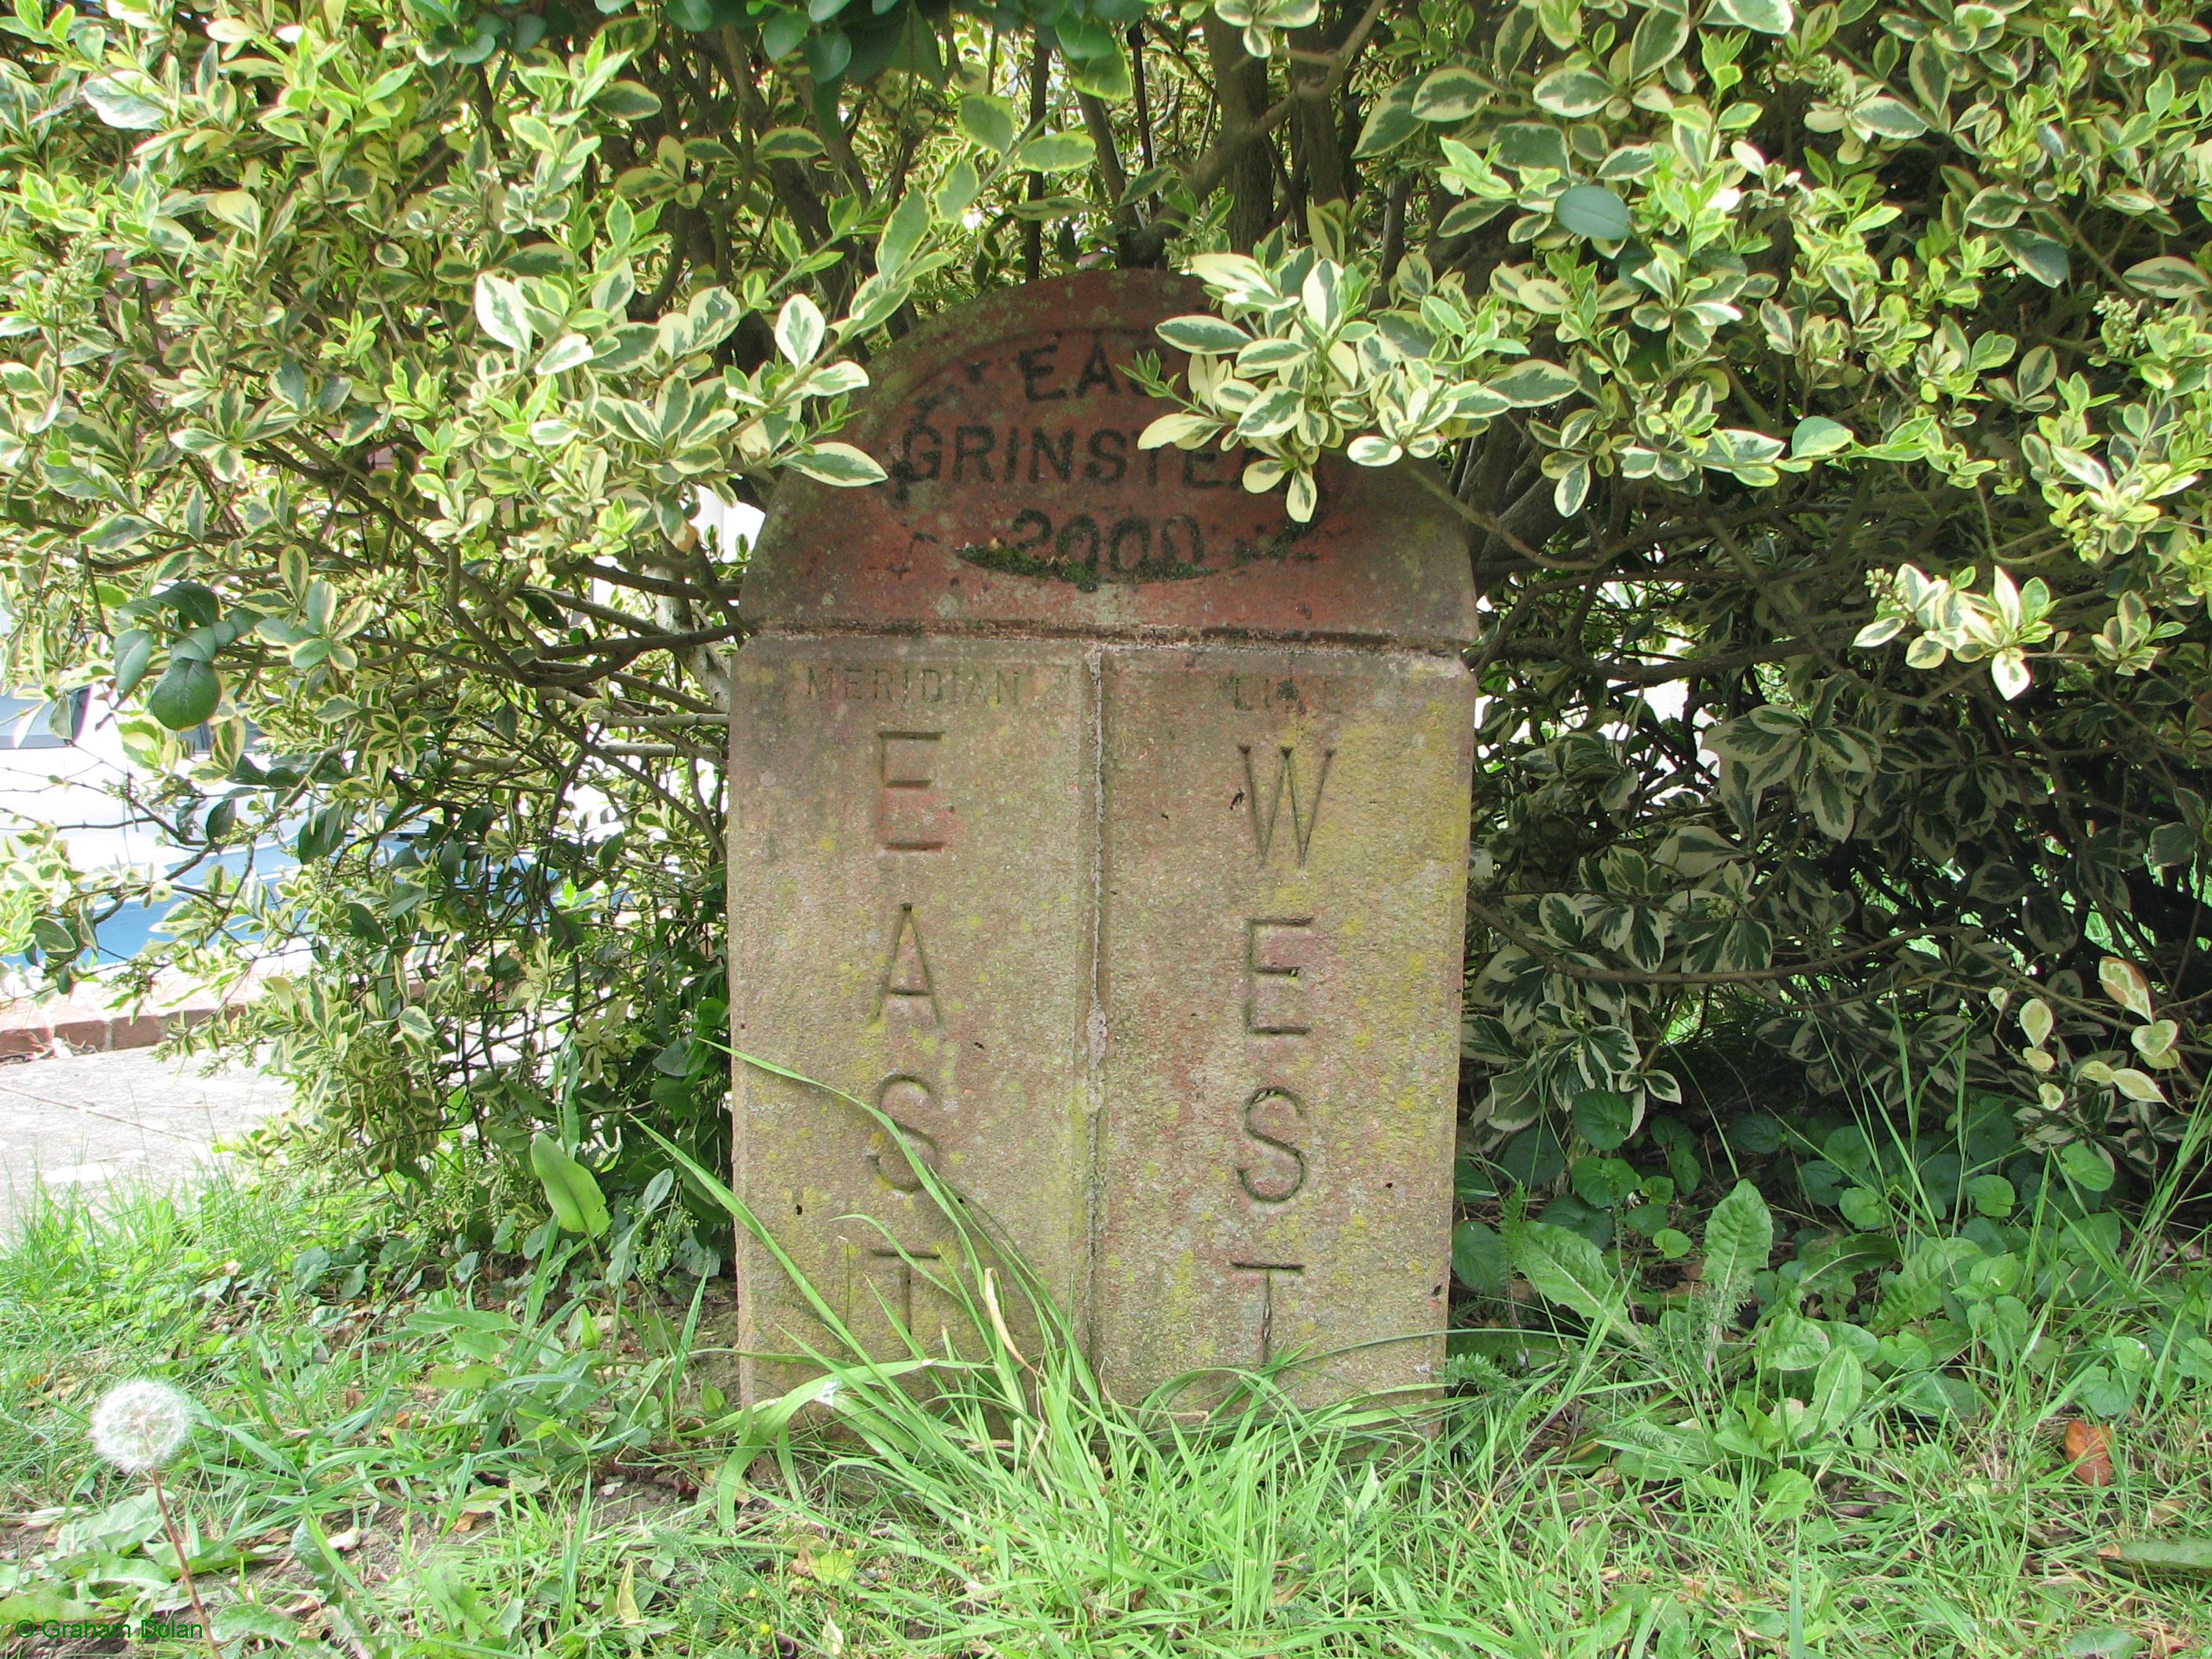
[[64, 786]]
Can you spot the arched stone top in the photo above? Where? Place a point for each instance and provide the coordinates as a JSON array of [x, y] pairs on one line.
[[1018, 501]]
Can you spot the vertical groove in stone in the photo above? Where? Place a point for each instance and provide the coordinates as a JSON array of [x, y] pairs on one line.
[[1086, 1317]]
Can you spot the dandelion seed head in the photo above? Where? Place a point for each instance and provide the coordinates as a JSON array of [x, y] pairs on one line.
[[139, 1425]]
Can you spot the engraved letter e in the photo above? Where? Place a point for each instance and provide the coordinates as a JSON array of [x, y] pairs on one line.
[[910, 815]]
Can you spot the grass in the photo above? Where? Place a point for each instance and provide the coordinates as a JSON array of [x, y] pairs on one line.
[[395, 1463]]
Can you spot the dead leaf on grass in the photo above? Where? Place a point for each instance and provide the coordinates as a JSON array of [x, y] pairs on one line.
[[2089, 1450]]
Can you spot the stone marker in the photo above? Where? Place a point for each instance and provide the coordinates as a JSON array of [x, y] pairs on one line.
[[1108, 831]]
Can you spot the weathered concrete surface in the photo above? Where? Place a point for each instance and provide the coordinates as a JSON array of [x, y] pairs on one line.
[[1111, 830], [912, 825], [1286, 864], [87, 1122]]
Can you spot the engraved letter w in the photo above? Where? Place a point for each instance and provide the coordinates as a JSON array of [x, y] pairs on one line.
[[1304, 815]]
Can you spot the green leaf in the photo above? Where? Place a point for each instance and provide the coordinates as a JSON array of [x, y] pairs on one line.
[[1767, 17], [1739, 1237], [1594, 212], [788, 144], [1573, 91], [119, 530], [1816, 435], [322, 834], [569, 351], [1534, 383], [1929, 72], [128, 100], [697, 16], [1175, 428], [1389, 124], [2087, 1167], [628, 100], [2124, 983], [2164, 1554], [1591, 1221], [1837, 1387], [903, 231], [500, 312], [1103, 75], [134, 654], [1935, 1394], [800, 330], [1602, 1183], [1785, 1496], [781, 34], [56, 938], [989, 121], [41, 1604], [1789, 1341], [1479, 1258], [185, 695], [960, 188], [2103, 1642], [1200, 333], [1450, 93], [2038, 256], [1525, 144], [1566, 1268], [2167, 277], [1864, 1207], [1603, 1118], [1991, 1195], [827, 54], [569, 1188], [1889, 117], [838, 464], [1056, 152], [2172, 844], [1659, 37]]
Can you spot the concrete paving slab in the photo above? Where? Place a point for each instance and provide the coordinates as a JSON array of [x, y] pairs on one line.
[[87, 1120]]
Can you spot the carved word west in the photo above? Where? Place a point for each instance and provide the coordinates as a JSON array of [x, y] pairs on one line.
[[1280, 957]]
